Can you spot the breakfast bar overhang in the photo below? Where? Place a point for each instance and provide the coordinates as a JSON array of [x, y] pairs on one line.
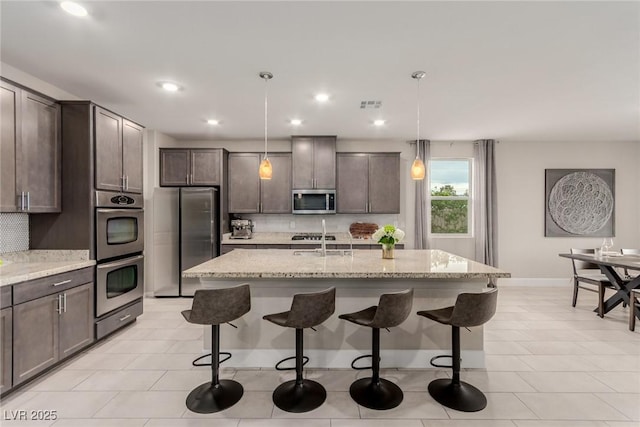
[[360, 277]]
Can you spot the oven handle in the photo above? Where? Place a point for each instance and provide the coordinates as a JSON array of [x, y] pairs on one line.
[[121, 262], [119, 210]]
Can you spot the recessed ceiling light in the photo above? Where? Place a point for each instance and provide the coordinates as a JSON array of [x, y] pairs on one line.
[[169, 86], [73, 8], [295, 122], [379, 122], [322, 97], [213, 122]]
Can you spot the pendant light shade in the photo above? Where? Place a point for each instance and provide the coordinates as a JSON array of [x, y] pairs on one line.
[[265, 171], [418, 170]]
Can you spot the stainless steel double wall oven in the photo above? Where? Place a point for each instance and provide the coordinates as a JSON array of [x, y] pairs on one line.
[[119, 245]]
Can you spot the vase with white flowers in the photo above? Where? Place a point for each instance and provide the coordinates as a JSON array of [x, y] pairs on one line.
[[388, 236]]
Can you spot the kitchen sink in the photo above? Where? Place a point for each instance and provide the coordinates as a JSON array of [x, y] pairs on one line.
[[318, 252]]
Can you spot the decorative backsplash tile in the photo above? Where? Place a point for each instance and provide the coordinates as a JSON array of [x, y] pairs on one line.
[[14, 232]]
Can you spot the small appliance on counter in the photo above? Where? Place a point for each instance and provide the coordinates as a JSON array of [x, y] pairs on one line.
[[241, 229]]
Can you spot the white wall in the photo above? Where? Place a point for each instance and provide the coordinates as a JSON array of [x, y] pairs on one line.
[[523, 249]]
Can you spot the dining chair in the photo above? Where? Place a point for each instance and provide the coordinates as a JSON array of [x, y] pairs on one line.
[[589, 274], [626, 270]]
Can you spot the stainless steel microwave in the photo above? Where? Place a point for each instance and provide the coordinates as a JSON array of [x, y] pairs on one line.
[[314, 202]]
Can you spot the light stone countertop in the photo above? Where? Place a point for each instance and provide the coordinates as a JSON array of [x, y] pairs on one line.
[[28, 265], [284, 238], [364, 264]]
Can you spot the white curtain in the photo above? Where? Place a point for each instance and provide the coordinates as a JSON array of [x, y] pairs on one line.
[[486, 208], [421, 233]]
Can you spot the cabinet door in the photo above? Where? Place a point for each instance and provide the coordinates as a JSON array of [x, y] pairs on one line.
[[353, 183], [6, 338], [384, 183], [206, 167], [275, 193], [244, 183], [35, 337], [38, 159], [302, 156], [174, 167], [108, 150], [324, 162], [132, 156], [76, 321], [9, 138]]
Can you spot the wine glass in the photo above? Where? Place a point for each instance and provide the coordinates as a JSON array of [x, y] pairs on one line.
[[607, 244]]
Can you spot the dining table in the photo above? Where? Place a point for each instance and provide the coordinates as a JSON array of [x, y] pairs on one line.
[[608, 264]]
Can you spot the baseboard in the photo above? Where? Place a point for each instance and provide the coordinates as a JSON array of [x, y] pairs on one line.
[[413, 359], [524, 281]]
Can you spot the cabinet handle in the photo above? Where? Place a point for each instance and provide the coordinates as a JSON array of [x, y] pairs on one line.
[[122, 319], [28, 200], [22, 200], [64, 300], [61, 283], [369, 209], [260, 206], [126, 182], [59, 309]]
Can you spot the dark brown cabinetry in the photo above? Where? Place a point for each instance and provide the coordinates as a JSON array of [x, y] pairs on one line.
[[314, 162], [6, 338], [53, 318], [249, 194], [118, 153], [368, 183], [190, 167], [30, 148]]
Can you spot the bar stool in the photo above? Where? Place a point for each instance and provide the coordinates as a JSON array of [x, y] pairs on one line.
[[634, 301], [469, 310], [307, 310], [392, 309], [213, 307]]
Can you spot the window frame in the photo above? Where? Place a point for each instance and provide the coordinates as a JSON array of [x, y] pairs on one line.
[[470, 200]]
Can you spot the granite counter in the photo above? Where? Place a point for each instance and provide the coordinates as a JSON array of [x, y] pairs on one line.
[[28, 265]]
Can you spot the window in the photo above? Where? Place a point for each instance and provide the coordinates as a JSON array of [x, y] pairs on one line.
[[450, 201]]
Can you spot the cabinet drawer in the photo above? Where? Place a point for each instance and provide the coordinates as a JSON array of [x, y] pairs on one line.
[[5, 297], [118, 319], [37, 288]]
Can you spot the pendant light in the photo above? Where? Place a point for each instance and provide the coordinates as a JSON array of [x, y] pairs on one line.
[[417, 168], [265, 171]]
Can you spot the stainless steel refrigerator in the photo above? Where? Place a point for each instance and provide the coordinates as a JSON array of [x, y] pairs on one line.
[[186, 224]]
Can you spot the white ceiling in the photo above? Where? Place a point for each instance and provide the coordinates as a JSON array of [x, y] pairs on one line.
[[508, 70]]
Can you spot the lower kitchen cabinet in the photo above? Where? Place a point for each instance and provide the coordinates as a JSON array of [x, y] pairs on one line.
[[6, 338], [51, 328]]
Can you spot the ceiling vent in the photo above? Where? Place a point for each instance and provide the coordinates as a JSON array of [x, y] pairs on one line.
[[370, 104]]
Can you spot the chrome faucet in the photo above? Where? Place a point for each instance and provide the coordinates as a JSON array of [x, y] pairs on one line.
[[323, 241]]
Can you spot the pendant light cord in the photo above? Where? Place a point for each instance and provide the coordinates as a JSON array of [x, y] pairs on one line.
[[266, 80], [418, 123]]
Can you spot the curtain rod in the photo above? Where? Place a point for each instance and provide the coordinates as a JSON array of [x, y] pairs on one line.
[[451, 142]]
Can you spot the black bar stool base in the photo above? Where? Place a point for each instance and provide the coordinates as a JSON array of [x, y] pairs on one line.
[[206, 398], [462, 397], [293, 397], [382, 395]]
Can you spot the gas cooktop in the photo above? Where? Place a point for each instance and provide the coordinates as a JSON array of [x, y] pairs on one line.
[[312, 236]]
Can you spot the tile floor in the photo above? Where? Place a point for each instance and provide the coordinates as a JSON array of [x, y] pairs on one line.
[[548, 365]]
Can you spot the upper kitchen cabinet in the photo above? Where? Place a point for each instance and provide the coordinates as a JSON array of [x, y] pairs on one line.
[[30, 151], [368, 183], [191, 167], [118, 153], [314, 162], [249, 194]]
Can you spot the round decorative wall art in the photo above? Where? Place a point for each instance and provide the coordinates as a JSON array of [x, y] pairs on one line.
[[580, 203]]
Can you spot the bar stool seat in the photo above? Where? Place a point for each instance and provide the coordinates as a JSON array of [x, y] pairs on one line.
[[392, 309], [307, 310], [213, 307], [470, 309]]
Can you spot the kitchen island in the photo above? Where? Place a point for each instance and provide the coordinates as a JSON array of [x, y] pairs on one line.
[[360, 276]]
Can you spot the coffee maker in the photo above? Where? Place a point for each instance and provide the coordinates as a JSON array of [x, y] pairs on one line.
[[241, 229]]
